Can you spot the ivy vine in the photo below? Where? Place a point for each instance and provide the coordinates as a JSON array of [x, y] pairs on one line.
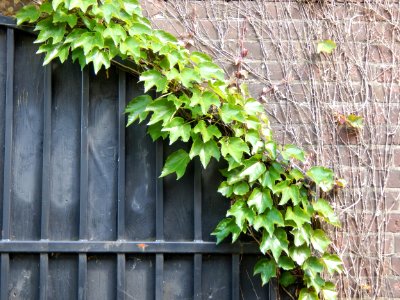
[[273, 193]]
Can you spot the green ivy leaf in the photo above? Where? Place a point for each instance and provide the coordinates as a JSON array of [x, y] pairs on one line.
[[296, 174], [313, 265], [266, 268], [307, 294], [291, 151], [164, 36], [62, 17], [260, 199], [153, 78], [54, 32], [207, 132], [332, 263], [177, 128], [275, 216], [286, 263], [287, 279], [300, 254], [254, 171], [131, 46], [233, 146], [132, 8], [302, 234], [324, 209], [107, 10], [88, 41], [271, 149], [268, 220], [139, 29], [288, 192], [323, 177], [199, 57], [252, 137], [253, 107], [329, 291], [209, 71], [46, 8], [230, 113], [226, 227], [276, 243], [242, 214], [188, 76], [28, 13], [262, 221], [319, 240], [298, 215], [241, 188], [136, 109], [232, 176], [208, 99], [266, 180], [225, 189], [56, 4], [53, 51], [78, 54], [176, 163], [312, 268], [81, 4], [204, 150], [100, 59], [326, 46], [116, 32], [163, 110], [232, 164]]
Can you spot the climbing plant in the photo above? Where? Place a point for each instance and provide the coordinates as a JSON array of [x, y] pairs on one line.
[[275, 197]]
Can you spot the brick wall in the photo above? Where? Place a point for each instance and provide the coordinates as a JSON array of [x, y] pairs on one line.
[[304, 90]]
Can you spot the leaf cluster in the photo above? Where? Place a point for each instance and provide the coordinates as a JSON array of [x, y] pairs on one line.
[[273, 200]]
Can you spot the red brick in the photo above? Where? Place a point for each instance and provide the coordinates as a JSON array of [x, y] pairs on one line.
[[395, 265], [397, 243], [394, 287], [394, 223], [392, 200], [396, 157], [393, 180]]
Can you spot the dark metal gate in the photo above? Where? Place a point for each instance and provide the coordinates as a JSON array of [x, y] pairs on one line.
[[83, 213]]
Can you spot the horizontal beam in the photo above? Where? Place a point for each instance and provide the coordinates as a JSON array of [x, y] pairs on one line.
[[83, 246]]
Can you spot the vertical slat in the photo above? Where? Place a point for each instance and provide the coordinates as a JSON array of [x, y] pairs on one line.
[[82, 277], [121, 155], [83, 193], [121, 277], [84, 155], [8, 142], [235, 277], [121, 272], [5, 271], [159, 276], [159, 220], [197, 197], [8, 136], [159, 193], [43, 276], [197, 284], [45, 209], [198, 258], [46, 154]]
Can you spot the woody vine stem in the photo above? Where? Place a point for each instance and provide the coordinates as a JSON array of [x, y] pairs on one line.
[[274, 194]]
